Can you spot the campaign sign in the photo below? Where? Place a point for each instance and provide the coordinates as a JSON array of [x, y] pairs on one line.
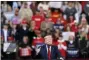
[[25, 52], [9, 47]]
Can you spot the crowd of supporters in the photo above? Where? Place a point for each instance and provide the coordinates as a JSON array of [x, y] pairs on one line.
[[28, 24]]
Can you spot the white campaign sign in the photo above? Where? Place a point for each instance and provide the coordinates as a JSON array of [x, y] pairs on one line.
[[67, 34]]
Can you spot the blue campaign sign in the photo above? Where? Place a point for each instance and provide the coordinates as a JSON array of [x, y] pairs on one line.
[[72, 52]]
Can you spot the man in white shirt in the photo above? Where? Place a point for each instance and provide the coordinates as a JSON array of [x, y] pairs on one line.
[[5, 33]]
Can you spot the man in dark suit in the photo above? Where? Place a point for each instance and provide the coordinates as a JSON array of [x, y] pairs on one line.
[[5, 33], [48, 51]]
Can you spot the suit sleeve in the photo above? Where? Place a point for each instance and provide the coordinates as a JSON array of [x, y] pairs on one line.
[[58, 53]]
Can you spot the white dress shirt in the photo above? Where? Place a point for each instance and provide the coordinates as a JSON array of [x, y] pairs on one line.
[[47, 48], [5, 35]]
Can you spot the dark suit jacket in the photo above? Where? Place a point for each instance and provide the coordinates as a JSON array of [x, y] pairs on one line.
[[8, 33], [54, 53]]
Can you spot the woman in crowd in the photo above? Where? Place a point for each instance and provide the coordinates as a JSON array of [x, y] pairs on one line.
[[62, 46], [56, 37], [83, 25], [25, 49]]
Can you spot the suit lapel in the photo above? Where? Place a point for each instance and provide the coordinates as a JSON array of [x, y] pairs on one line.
[[52, 52], [46, 52]]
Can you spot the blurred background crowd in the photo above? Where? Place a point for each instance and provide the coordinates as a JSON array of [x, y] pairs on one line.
[[27, 23]]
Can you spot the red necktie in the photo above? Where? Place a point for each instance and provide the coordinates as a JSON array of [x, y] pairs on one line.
[[49, 53]]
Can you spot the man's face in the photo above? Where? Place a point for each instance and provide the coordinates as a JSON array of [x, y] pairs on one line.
[[48, 39], [71, 37]]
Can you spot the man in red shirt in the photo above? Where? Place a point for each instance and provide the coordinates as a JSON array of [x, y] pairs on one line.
[[38, 19]]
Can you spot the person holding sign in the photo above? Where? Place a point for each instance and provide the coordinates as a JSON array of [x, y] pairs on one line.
[[72, 47], [25, 49]]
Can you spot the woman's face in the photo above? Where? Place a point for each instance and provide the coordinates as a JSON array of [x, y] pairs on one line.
[[83, 22], [25, 39], [56, 35], [68, 28], [60, 38]]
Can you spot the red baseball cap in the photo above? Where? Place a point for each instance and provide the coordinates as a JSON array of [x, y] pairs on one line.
[[24, 21]]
